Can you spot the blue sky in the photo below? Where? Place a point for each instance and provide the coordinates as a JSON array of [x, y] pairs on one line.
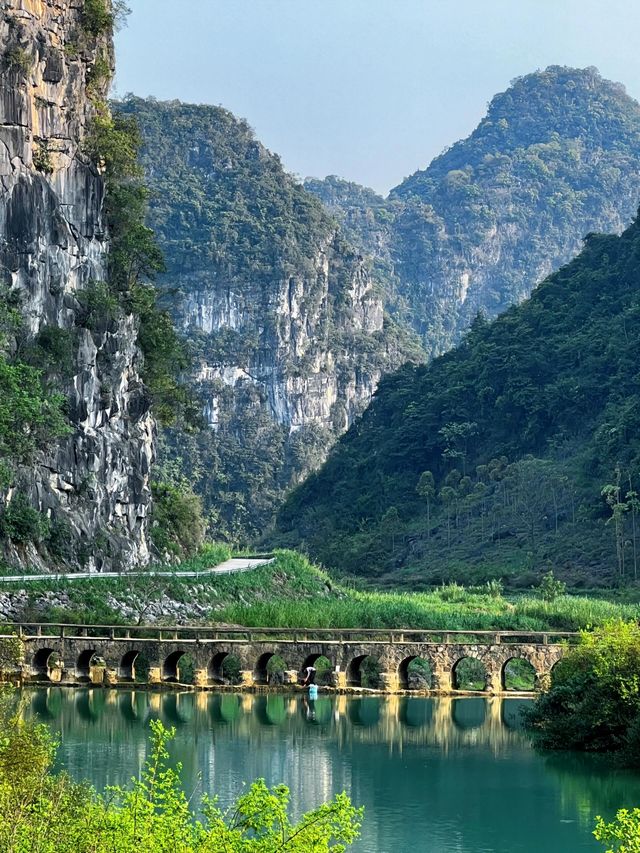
[[369, 90]]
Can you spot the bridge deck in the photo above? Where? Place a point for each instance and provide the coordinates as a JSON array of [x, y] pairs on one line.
[[215, 634]]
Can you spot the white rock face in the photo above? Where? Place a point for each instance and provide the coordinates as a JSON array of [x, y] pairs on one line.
[[53, 242], [307, 364]]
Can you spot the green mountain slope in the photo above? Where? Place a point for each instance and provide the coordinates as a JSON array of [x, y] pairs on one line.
[[556, 156], [521, 427]]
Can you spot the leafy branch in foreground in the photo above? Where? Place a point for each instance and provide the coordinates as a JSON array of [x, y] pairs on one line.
[[52, 814], [621, 835]]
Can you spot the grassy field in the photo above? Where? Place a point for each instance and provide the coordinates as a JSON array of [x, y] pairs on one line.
[[292, 593]]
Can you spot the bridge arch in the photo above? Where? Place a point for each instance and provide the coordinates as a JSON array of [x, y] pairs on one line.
[[518, 673], [363, 671], [324, 667], [127, 668], [469, 673], [86, 659], [41, 663], [415, 673], [269, 669], [171, 666], [224, 668]]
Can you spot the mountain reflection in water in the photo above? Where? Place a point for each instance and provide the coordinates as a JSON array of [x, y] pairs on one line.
[[437, 775]]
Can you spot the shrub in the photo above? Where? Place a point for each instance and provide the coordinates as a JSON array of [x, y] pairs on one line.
[[96, 17], [99, 73], [99, 306], [42, 157], [622, 834], [551, 588], [453, 592], [178, 525], [593, 703], [29, 414], [494, 588], [41, 811], [18, 59], [22, 523]]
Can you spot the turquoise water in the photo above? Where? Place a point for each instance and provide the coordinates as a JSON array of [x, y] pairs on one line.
[[435, 775]]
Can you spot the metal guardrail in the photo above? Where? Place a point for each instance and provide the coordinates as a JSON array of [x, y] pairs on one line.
[[201, 634]]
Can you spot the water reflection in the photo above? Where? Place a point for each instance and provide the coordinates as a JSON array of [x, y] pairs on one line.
[[434, 774], [440, 721]]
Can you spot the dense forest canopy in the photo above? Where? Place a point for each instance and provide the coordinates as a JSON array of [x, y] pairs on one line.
[[516, 451]]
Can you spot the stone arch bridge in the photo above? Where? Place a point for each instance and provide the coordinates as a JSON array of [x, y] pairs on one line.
[[110, 655]]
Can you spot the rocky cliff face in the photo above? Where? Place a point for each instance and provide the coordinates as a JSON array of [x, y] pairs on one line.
[[92, 486], [283, 316], [305, 364]]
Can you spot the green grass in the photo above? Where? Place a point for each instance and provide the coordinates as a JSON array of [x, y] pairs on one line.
[[291, 593]]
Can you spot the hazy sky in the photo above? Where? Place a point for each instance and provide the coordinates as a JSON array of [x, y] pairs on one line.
[[369, 90]]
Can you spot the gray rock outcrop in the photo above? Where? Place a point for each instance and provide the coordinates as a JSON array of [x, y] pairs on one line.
[[93, 485]]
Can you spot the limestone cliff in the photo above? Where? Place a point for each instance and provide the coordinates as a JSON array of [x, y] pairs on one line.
[[283, 316], [556, 157], [91, 486]]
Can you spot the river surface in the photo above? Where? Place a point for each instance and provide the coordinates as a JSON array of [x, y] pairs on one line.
[[435, 775]]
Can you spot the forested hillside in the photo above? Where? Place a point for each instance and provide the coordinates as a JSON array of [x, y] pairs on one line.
[[556, 156], [284, 317], [515, 453]]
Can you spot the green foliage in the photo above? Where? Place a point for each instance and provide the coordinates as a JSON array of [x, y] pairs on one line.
[[621, 835], [29, 415], [42, 160], [593, 702], [12, 654], [97, 18], [99, 73], [18, 59], [519, 426], [550, 587], [99, 306], [21, 523], [134, 261], [495, 588], [53, 814], [177, 525]]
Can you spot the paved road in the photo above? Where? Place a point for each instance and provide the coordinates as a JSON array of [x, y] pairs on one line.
[[229, 567]]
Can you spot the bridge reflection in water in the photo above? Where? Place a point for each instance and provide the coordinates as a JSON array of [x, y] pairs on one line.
[[422, 767], [395, 720]]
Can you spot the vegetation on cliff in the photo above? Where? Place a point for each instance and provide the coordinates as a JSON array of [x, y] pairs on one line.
[[514, 452]]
